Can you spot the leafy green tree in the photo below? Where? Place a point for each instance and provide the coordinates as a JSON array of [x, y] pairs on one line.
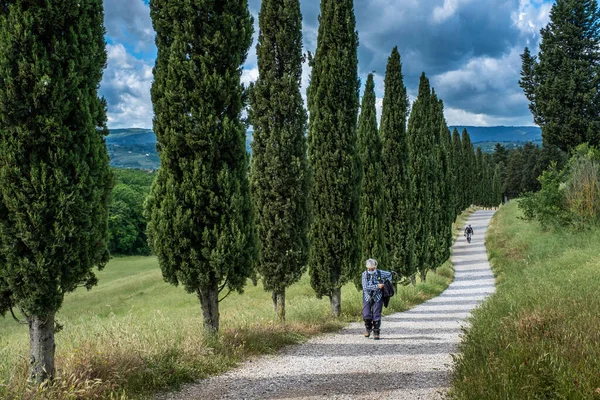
[[395, 168], [372, 200], [532, 167], [126, 221], [497, 186], [513, 184], [199, 210], [421, 146], [562, 83], [333, 105], [479, 186], [279, 173], [55, 180], [449, 189]]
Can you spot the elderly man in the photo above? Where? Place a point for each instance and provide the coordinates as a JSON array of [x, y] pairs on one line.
[[372, 283]]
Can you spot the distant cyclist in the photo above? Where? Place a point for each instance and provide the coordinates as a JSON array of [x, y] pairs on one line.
[[468, 233]]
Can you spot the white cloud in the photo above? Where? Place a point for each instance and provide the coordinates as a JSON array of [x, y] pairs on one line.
[[447, 10], [531, 16], [126, 85], [464, 118], [128, 22]]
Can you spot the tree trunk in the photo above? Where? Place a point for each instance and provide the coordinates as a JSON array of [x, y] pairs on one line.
[[423, 275], [41, 347], [209, 300], [336, 302], [279, 304]]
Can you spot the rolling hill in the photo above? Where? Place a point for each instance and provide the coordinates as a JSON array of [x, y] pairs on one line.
[[136, 148]]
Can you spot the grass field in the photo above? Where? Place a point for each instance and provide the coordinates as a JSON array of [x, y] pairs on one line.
[[134, 334], [538, 337]]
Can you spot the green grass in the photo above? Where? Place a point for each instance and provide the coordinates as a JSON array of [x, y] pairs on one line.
[[134, 334], [538, 337]]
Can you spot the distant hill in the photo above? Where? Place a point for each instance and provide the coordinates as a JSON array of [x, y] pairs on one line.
[[136, 148], [502, 134]]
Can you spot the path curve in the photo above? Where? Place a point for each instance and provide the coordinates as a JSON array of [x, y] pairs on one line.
[[411, 361]]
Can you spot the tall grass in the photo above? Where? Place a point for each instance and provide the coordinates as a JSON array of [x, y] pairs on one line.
[[133, 334], [538, 337]]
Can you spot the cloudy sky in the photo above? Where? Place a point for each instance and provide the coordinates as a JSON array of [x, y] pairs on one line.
[[468, 48]]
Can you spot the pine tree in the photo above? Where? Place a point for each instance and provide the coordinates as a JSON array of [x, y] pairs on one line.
[[372, 201], [421, 148], [395, 166], [562, 83], [513, 184], [199, 210], [458, 161], [279, 174], [333, 105], [449, 189], [468, 170], [55, 180]]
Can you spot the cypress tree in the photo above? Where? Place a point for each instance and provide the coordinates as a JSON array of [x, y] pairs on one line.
[[395, 166], [54, 176], [372, 201], [279, 174], [468, 170], [497, 186], [450, 189], [333, 105], [421, 148], [199, 209], [438, 189], [562, 83], [458, 161], [479, 184]]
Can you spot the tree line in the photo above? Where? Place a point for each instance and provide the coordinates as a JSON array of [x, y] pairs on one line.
[[323, 201]]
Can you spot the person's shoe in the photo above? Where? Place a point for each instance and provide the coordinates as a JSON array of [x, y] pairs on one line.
[[368, 327], [367, 333], [376, 335]]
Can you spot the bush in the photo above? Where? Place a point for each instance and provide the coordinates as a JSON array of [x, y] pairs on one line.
[[569, 197]]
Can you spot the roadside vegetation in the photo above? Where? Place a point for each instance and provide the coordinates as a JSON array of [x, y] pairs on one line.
[[132, 335], [538, 336]]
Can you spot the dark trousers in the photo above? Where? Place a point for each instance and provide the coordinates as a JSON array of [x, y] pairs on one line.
[[372, 310]]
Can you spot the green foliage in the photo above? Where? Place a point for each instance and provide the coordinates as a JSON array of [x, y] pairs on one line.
[[395, 168], [537, 337], [279, 174], [421, 144], [372, 194], [461, 183], [467, 170], [54, 176], [568, 197], [335, 251], [199, 210], [561, 83]]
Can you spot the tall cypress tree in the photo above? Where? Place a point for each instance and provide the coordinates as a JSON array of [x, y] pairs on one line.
[[468, 170], [279, 174], [479, 184], [372, 201], [200, 213], [563, 82], [54, 176], [333, 105], [438, 189], [421, 148], [497, 186], [458, 161], [448, 202], [395, 166]]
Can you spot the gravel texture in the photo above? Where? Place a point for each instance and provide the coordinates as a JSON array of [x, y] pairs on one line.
[[411, 361]]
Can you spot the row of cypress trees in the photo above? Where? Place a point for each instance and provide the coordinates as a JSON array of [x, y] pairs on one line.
[[205, 227]]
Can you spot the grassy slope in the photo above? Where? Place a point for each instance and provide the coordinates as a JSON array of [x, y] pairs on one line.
[[134, 334], [539, 336]]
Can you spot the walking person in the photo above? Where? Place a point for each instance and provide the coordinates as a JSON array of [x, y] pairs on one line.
[[372, 283], [468, 233]]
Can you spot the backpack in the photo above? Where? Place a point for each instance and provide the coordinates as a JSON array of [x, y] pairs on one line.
[[387, 291]]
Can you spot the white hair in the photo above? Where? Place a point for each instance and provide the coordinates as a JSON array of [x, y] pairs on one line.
[[371, 262]]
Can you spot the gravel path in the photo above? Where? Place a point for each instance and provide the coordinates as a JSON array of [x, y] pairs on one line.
[[411, 361]]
